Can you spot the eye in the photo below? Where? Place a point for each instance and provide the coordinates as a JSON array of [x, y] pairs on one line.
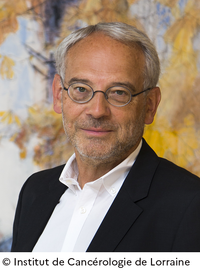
[[81, 89], [118, 96], [119, 92], [80, 92]]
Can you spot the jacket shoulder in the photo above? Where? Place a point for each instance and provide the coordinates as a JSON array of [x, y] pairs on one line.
[[43, 180], [170, 171], [166, 170]]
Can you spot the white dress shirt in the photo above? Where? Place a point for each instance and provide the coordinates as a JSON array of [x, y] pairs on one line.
[[78, 215]]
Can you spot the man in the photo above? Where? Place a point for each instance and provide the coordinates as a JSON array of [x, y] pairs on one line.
[[114, 193]]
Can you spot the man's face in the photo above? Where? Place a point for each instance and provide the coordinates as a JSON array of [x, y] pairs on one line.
[[100, 132]]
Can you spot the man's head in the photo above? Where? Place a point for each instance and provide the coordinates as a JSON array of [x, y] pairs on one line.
[[98, 58]]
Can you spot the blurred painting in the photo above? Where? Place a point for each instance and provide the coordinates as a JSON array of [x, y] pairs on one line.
[[31, 133]]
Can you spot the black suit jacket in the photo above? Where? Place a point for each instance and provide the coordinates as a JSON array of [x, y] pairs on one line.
[[156, 209]]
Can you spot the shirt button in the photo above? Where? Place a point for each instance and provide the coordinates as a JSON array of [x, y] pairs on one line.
[[113, 191], [82, 210]]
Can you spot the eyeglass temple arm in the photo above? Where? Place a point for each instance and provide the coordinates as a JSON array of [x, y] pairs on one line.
[[62, 84], [141, 92]]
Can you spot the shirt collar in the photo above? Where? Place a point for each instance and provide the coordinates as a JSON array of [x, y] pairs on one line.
[[112, 180], [69, 175]]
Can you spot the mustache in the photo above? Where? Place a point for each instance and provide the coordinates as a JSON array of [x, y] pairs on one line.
[[96, 123]]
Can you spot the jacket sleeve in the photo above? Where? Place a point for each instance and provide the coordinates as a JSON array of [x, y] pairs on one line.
[[17, 219]]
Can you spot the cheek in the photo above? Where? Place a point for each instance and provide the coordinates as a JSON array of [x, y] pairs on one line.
[[130, 118], [125, 116], [124, 122], [71, 112]]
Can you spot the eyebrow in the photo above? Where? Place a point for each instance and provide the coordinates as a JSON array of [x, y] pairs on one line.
[[75, 79], [126, 84]]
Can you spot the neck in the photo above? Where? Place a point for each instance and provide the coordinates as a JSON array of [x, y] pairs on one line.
[[92, 169], [89, 172]]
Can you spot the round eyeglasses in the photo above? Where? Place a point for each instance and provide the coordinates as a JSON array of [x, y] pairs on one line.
[[118, 96]]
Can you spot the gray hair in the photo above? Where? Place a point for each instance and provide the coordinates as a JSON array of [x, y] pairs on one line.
[[122, 32]]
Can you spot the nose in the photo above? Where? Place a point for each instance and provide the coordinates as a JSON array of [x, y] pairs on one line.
[[98, 105]]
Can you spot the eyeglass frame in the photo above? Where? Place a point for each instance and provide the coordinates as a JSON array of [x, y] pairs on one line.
[[99, 91]]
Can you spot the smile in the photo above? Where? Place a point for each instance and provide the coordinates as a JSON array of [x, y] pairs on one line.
[[96, 132]]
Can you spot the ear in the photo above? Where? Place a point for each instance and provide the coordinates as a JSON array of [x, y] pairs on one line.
[[57, 94], [153, 100]]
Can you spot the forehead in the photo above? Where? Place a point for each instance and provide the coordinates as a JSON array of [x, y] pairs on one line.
[[103, 54]]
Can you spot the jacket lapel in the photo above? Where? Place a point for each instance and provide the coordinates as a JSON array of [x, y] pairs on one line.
[[124, 210]]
